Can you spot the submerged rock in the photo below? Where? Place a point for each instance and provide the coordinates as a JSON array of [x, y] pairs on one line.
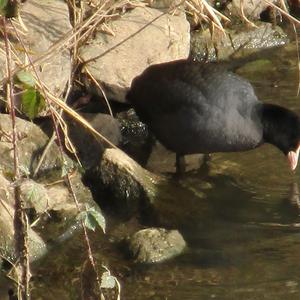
[[155, 245]]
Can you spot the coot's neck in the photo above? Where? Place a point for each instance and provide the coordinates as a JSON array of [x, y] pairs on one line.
[[279, 126]]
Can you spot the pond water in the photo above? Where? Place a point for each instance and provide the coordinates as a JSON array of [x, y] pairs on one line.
[[241, 222]]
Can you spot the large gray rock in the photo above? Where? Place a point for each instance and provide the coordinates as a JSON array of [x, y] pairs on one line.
[[46, 22], [164, 40]]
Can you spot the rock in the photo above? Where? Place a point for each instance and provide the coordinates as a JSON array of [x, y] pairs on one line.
[[62, 200], [42, 199], [155, 245], [35, 196], [163, 4], [165, 40], [90, 148], [31, 143], [37, 247], [55, 196], [137, 141], [38, 197], [129, 186], [46, 22], [239, 41], [252, 8]]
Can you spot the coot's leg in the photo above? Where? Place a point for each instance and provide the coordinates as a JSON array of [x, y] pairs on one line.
[[180, 163]]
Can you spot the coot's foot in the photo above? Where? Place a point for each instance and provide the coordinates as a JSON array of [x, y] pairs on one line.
[[180, 164]]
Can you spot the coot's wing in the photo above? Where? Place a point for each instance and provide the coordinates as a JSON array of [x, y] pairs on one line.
[[166, 89], [182, 101]]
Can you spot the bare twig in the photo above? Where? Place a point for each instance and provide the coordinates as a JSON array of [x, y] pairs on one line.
[[20, 220]]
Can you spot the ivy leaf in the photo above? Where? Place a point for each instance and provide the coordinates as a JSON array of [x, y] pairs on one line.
[[25, 78], [92, 218], [32, 103]]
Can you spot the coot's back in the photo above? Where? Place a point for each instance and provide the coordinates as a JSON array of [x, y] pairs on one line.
[[196, 107]]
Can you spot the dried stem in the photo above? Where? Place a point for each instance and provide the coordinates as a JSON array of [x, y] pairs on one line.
[[20, 220]]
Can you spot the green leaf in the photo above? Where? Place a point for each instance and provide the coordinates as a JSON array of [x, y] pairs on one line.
[[25, 78], [108, 281], [32, 103], [92, 218], [3, 4]]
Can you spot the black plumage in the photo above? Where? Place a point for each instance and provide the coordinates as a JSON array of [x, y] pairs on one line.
[[194, 107]]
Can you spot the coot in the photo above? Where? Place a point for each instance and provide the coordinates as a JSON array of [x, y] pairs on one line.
[[194, 107]]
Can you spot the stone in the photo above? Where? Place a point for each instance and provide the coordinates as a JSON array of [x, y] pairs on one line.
[[37, 246], [46, 23], [41, 198], [155, 245], [86, 143], [251, 8], [164, 40], [31, 141], [128, 185], [265, 35]]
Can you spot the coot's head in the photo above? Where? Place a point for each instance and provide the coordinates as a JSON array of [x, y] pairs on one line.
[[282, 129], [291, 145]]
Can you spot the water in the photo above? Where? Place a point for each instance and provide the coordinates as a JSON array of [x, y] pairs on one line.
[[240, 221], [243, 230]]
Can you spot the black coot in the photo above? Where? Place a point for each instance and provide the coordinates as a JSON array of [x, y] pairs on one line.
[[196, 107]]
